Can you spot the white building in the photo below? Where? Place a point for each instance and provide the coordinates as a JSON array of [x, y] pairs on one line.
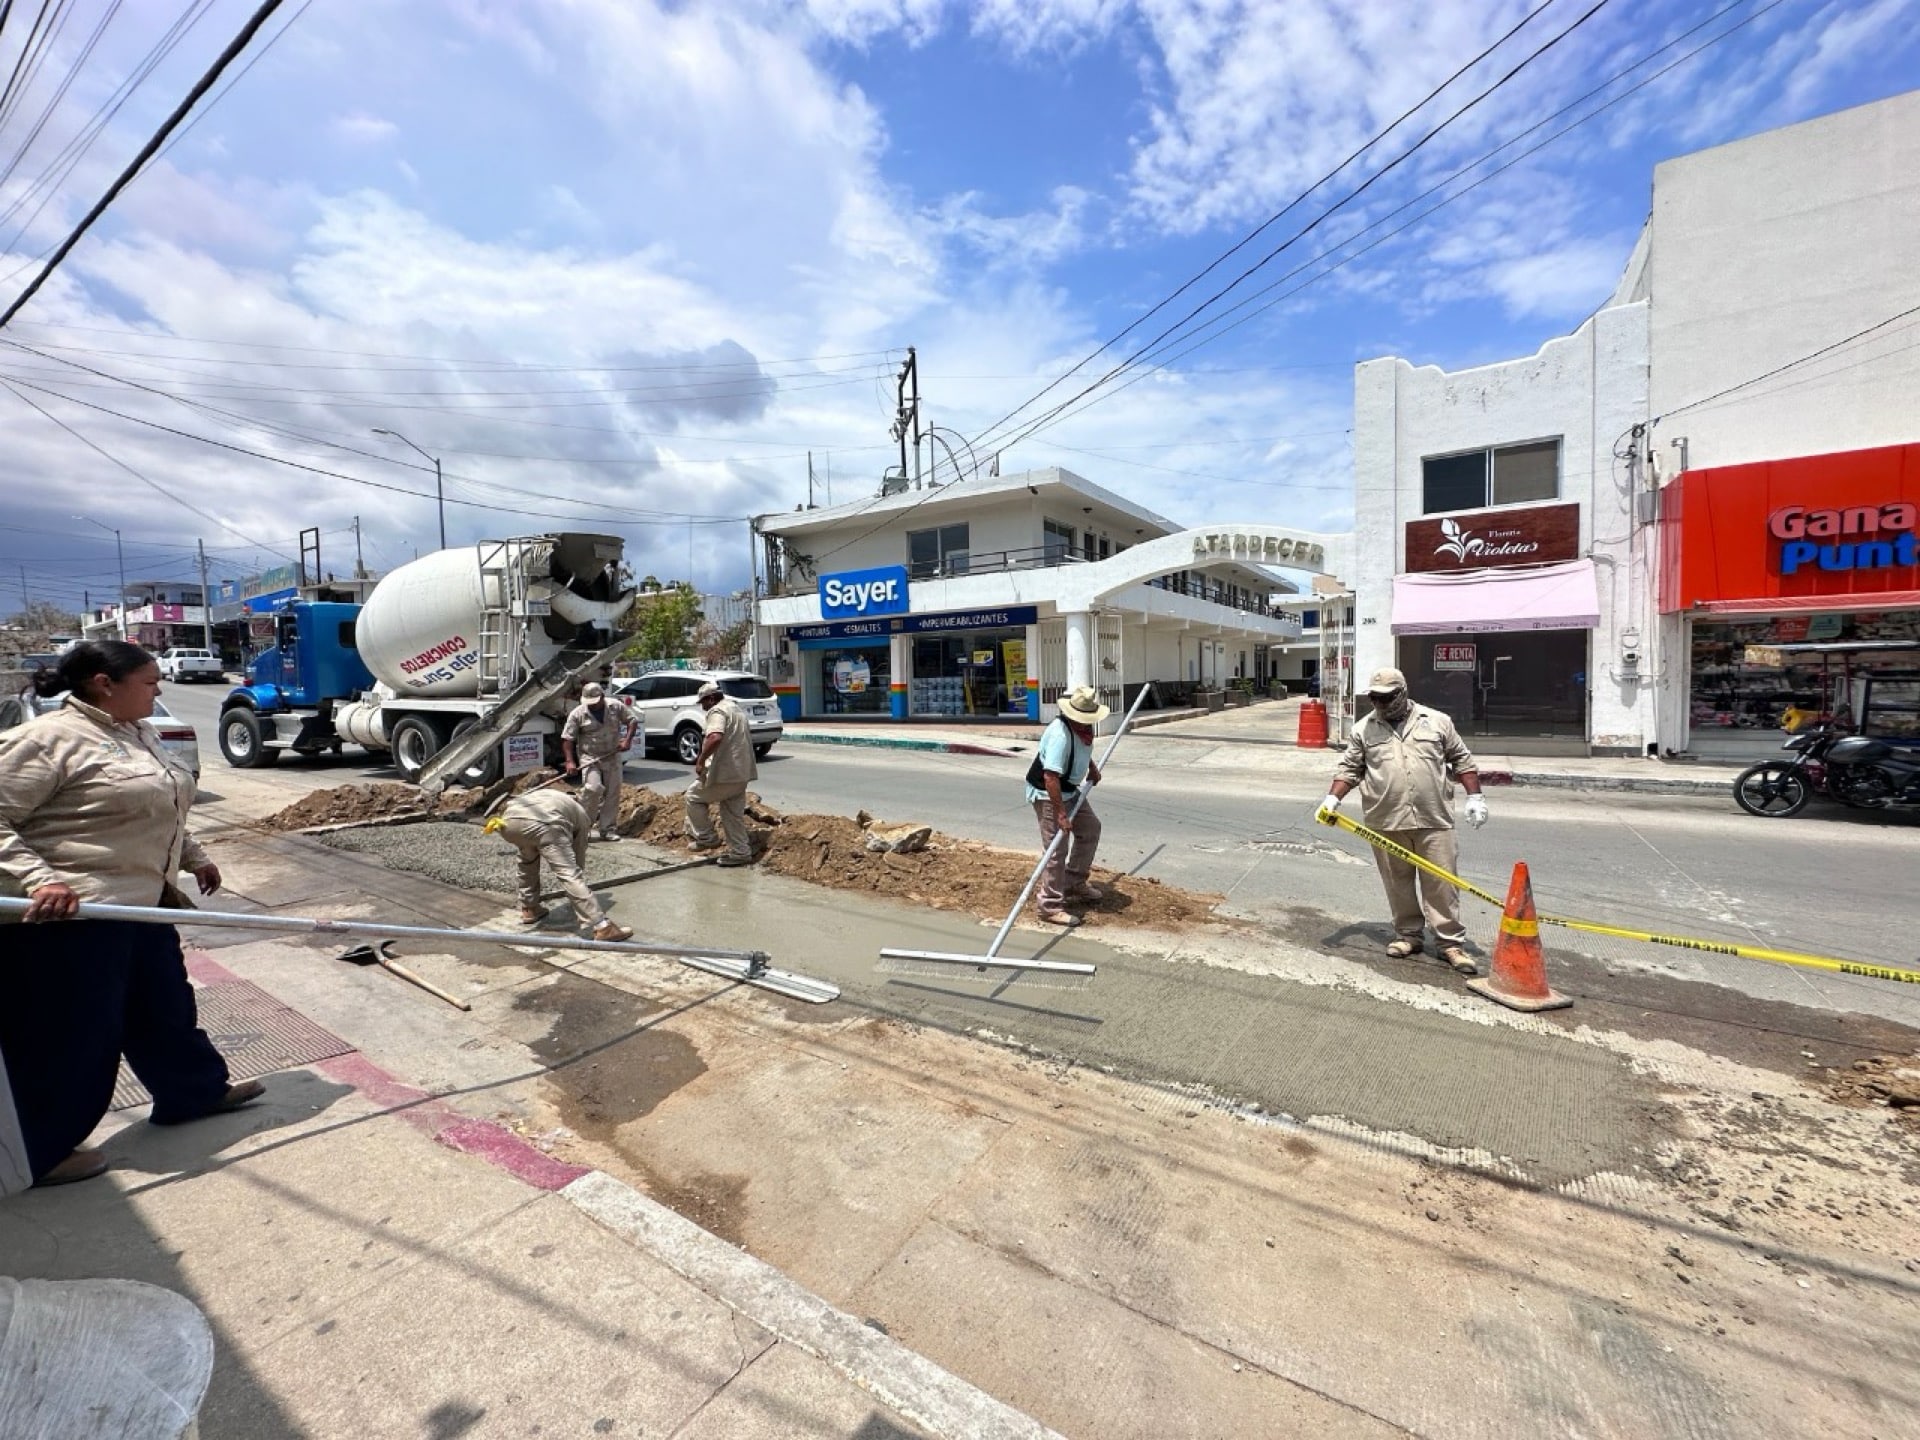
[[989, 596], [1528, 549]]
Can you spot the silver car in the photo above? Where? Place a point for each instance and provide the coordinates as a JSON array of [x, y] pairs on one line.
[[176, 735]]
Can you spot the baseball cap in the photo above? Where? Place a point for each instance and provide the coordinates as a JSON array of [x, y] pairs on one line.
[[590, 693], [710, 688], [1386, 681]]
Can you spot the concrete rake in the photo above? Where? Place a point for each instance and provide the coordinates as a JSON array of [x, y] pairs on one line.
[[1054, 973], [749, 967]]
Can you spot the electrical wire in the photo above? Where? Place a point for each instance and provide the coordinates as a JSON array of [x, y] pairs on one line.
[[152, 484], [73, 72], [1790, 365], [126, 177], [252, 60], [1266, 224], [986, 441], [1161, 361]]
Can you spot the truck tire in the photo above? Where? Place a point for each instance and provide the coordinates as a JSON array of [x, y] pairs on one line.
[[760, 751], [484, 771], [243, 740], [416, 739], [687, 741]]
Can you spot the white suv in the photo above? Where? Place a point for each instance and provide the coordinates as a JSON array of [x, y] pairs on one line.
[[667, 704]]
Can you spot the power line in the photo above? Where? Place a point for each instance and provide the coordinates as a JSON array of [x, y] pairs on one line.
[[73, 72], [144, 480], [16, 384], [252, 60], [1270, 221], [1790, 365], [159, 138], [1132, 360], [1200, 338]]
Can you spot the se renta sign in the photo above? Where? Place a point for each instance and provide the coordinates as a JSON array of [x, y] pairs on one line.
[[858, 594]]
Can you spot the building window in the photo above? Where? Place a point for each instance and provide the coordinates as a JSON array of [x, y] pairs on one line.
[[937, 552], [1502, 475], [1058, 539], [1106, 547]]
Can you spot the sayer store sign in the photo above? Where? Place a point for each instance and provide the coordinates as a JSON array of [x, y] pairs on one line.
[[1533, 535], [858, 594]]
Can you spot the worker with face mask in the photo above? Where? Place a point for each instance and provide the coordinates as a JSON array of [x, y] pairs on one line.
[[1403, 757]]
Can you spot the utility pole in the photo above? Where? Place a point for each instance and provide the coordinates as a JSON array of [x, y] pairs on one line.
[[359, 563], [809, 479], [120, 554], [906, 418], [439, 489], [206, 600]]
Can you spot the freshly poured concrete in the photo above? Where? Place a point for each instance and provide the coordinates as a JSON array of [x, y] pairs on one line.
[[1555, 1111]]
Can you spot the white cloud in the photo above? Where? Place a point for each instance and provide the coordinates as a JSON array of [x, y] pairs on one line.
[[360, 128]]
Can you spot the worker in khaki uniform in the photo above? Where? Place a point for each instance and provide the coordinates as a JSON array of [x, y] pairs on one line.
[[1400, 756], [721, 775], [597, 736], [551, 825]]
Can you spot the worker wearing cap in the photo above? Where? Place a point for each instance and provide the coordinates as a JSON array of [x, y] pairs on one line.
[[1062, 769], [1401, 756], [721, 775], [597, 736], [551, 825]]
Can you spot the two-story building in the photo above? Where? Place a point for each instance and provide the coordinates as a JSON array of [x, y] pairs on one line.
[[160, 614], [989, 596], [1658, 532]]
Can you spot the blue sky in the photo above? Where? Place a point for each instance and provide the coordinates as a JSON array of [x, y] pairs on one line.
[[627, 262]]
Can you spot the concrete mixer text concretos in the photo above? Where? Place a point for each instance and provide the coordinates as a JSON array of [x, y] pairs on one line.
[[490, 635]]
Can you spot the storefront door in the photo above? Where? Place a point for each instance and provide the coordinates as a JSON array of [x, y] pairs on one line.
[[1522, 685]]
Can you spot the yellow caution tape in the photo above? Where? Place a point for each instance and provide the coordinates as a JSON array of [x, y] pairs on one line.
[[1680, 942]]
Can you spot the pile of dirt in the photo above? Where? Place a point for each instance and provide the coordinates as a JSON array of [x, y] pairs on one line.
[[386, 801], [948, 874], [1883, 1080]]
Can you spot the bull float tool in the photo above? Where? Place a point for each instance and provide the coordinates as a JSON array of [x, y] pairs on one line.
[[749, 967], [992, 959]]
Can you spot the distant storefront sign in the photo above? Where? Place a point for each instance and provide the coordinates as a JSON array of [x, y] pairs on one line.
[[1531, 535], [1455, 657], [523, 753], [1003, 619], [860, 593]]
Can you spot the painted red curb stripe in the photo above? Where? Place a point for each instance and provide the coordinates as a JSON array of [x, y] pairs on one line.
[[482, 1139]]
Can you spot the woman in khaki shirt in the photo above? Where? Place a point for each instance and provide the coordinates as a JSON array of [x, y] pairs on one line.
[[92, 808]]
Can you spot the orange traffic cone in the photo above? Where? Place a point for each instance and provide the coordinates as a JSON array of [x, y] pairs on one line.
[[1518, 977]]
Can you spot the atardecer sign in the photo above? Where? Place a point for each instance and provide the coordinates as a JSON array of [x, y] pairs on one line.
[[1482, 539]]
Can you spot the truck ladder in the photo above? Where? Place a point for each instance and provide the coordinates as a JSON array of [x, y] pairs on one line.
[[504, 619], [506, 717]]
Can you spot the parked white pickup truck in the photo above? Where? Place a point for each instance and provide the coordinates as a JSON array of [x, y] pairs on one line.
[[180, 667]]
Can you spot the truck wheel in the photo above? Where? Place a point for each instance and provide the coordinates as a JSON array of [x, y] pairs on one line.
[[687, 741], [415, 740], [243, 740], [484, 771], [760, 751]]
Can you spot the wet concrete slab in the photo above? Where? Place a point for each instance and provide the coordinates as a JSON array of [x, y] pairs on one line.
[[1557, 1111]]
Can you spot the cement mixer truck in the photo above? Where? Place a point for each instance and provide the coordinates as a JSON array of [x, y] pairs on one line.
[[461, 664]]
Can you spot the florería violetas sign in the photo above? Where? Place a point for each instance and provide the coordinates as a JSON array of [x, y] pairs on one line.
[[1483, 539]]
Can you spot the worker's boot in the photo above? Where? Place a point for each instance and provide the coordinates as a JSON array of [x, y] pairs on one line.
[[611, 930], [532, 914]]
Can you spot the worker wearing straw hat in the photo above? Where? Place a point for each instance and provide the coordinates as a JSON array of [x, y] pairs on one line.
[[1063, 768]]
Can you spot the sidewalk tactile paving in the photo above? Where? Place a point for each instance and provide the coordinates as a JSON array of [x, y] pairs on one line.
[[257, 1034]]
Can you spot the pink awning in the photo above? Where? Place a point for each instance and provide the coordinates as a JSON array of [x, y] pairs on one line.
[[1542, 597]]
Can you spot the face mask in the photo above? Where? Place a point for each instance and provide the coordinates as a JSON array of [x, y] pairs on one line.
[[1392, 707]]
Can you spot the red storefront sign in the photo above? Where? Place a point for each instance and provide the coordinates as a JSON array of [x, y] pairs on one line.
[[1812, 533]]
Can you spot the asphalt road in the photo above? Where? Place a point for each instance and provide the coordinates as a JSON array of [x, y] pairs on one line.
[[1238, 820]]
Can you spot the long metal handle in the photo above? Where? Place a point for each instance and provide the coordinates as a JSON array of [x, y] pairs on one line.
[[216, 919], [1006, 926]]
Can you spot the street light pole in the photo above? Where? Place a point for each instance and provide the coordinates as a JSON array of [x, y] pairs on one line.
[[120, 554], [439, 488]]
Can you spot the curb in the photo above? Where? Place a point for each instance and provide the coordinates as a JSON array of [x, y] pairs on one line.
[[904, 1380], [901, 742]]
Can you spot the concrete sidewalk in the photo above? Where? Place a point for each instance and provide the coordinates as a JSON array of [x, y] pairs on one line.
[[1269, 731]]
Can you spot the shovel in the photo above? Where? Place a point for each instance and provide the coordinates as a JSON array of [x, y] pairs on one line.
[[382, 956]]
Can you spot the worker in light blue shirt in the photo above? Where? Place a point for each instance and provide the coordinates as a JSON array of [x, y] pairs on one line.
[[1059, 772]]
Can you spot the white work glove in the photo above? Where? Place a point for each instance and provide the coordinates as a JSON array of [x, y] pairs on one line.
[[1476, 810], [1327, 806]]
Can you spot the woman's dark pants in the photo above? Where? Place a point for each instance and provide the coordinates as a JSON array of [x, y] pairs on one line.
[[75, 995]]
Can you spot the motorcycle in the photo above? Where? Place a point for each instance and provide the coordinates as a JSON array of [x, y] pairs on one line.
[[1856, 770]]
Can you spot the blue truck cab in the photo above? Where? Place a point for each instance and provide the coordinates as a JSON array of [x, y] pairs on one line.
[[293, 687]]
